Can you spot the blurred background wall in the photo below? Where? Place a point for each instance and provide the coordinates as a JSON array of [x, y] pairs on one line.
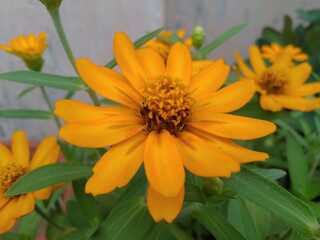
[[90, 25]]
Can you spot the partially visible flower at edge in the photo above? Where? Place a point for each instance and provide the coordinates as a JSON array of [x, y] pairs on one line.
[[170, 120], [275, 52], [281, 85], [13, 165], [29, 48]]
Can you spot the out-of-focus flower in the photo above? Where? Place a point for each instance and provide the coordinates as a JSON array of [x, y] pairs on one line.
[[29, 48], [288, 53], [170, 120], [281, 85], [13, 165], [198, 37]]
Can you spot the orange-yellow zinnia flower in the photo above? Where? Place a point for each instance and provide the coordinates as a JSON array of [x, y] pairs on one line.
[[170, 120], [29, 48], [280, 85], [275, 52], [13, 165]]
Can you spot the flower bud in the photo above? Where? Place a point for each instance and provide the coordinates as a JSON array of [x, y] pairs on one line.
[[51, 4], [212, 186], [198, 37]]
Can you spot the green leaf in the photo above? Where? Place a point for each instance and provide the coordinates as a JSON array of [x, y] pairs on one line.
[[275, 199], [309, 44], [130, 220], [79, 234], [193, 193], [137, 44], [203, 52], [86, 201], [159, 231], [12, 236], [215, 223], [271, 35], [44, 80], [297, 165], [270, 174], [25, 113], [48, 175]]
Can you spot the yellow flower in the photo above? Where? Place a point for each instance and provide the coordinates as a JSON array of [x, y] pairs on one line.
[[29, 48], [169, 121], [280, 85], [291, 53], [14, 164]]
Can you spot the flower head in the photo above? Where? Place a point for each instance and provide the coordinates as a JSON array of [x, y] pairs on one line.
[[281, 85], [276, 52], [13, 165], [169, 121]]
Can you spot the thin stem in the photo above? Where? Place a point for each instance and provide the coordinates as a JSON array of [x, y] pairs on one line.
[[42, 214], [46, 98], [314, 165]]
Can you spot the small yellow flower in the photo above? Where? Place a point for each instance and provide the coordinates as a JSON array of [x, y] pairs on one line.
[[13, 165], [281, 85], [169, 121], [29, 48], [291, 53]]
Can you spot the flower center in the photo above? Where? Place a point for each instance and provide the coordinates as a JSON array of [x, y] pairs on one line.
[[166, 104], [273, 81], [9, 174]]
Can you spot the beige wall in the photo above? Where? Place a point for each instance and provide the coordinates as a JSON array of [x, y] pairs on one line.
[[90, 24]]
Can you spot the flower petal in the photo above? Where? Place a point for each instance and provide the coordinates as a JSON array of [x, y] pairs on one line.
[[5, 155], [20, 148], [23, 205], [199, 65], [297, 103], [43, 194], [256, 60], [237, 152], [303, 90], [209, 80], [246, 71], [228, 99], [108, 83], [103, 132], [231, 126], [161, 207], [204, 159], [117, 166], [6, 226], [47, 152], [179, 64], [299, 74], [152, 61], [129, 62], [268, 103], [163, 164]]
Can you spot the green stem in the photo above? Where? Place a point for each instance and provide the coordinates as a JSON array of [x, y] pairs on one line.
[[46, 98], [42, 214], [314, 165], [55, 15]]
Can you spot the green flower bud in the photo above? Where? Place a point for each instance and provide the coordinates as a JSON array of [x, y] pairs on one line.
[[212, 186], [51, 4], [198, 37]]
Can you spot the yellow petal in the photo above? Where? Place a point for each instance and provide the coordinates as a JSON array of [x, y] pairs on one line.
[[237, 152], [297, 103], [108, 83], [102, 133], [5, 155], [152, 61], [204, 159], [161, 207], [163, 164], [43, 194], [47, 152], [210, 79], [303, 90], [256, 60], [231, 126], [9, 225], [246, 71], [129, 62], [179, 64], [199, 65], [117, 166], [3, 201], [74, 111], [20, 148], [23, 205], [228, 99], [299, 74], [268, 103]]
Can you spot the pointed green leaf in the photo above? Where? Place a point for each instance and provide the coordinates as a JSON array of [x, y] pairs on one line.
[[215, 223], [275, 199], [44, 80], [159, 231], [79, 234], [25, 113], [49, 175]]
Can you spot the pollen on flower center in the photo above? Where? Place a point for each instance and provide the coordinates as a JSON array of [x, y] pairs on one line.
[[9, 174], [273, 81], [166, 104]]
